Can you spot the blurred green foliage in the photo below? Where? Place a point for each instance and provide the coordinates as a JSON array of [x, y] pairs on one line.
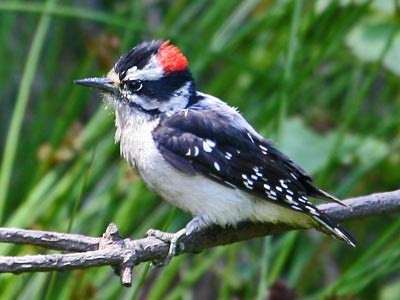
[[321, 78]]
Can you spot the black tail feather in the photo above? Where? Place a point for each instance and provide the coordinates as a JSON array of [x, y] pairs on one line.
[[329, 227]]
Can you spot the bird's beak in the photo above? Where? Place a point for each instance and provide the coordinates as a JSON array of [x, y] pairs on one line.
[[103, 83]]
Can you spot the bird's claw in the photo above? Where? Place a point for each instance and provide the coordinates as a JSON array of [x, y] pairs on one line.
[[172, 239]]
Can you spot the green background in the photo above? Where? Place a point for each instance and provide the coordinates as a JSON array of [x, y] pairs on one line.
[[320, 78]]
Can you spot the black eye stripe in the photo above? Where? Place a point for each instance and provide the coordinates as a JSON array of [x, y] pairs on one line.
[[162, 89]]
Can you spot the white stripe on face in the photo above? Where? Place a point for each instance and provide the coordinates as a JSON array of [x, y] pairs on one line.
[[152, 71]]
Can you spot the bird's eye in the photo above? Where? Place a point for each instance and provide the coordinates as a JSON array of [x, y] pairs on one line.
[[134, 85]]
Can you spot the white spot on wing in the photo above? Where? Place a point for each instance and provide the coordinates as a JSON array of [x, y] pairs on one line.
[[296, 207], [283, 184], [289, 199], [310, 208], [206, 147], [228, 155], [248, 185], [196, 151], [210, 143], [188, 152], [216, 166]]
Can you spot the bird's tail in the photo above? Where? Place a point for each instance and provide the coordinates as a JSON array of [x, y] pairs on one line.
[[321, 194], [333, 229]]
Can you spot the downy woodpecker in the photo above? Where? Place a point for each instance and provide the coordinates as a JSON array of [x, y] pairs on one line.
[[198, 153]]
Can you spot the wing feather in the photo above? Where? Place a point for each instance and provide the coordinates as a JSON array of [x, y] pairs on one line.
[[206, 142]]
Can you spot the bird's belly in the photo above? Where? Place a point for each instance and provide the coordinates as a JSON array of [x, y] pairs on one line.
[[217, 203]]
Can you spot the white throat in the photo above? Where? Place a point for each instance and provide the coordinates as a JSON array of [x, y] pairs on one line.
[[134, 135]]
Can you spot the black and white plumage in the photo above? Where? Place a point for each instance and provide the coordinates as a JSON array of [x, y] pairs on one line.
[[199, 153]]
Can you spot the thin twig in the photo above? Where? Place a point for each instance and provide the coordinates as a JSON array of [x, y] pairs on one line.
[[123, 254]]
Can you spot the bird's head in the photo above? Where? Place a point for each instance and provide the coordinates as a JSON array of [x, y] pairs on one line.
[[153, 78]]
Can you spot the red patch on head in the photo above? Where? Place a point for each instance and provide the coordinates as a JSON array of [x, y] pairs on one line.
[[171, 58]]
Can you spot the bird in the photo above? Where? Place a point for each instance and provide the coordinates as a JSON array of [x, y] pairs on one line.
[[200, 154]]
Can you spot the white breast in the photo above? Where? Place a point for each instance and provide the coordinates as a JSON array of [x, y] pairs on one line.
[[195, 194]]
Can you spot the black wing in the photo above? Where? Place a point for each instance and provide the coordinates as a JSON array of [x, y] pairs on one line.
[[205, 141]]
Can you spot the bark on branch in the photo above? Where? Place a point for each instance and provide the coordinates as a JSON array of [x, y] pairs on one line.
[[123, 254]]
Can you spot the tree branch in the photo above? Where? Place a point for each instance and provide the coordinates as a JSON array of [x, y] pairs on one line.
[[112, 250]]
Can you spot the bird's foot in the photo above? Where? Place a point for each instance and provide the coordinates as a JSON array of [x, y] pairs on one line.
[[172, 239], [196, 224]]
